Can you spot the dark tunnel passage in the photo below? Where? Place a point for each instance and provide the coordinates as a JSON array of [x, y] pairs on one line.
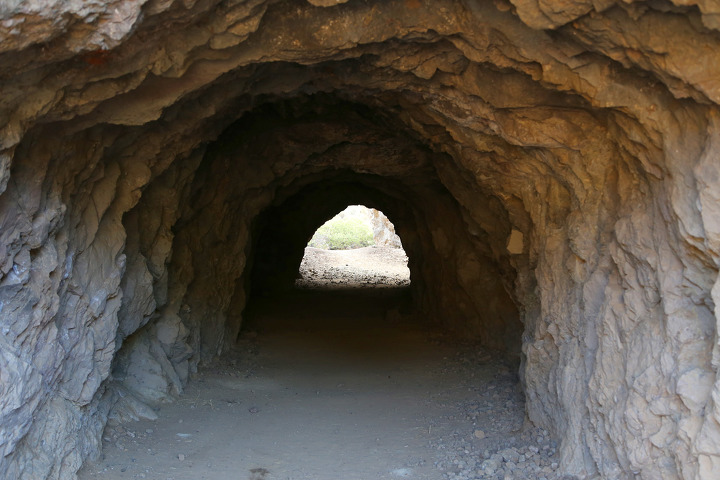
[[418, 209], [238, 240], [552, 171], [334, 153], [285, 229]]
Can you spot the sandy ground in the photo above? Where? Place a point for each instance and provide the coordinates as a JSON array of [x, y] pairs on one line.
[[377, 267], [322, 386]]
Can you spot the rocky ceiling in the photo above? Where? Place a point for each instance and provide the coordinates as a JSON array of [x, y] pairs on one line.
[[147, 146]]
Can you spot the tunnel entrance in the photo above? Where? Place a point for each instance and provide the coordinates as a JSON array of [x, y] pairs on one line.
[[357, 248], [551, 166], [355, 257]]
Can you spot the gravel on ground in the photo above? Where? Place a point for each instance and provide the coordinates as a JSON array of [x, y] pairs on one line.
[[368, 267], [325, 384]]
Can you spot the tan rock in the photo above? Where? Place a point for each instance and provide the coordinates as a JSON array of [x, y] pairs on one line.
[[551, 166]]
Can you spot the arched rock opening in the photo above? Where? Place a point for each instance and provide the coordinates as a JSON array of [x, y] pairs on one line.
[[362, 239], [142, 142], [284, 229], [332, 156]]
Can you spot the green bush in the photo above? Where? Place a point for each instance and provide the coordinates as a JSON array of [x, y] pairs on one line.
[[342, 234]]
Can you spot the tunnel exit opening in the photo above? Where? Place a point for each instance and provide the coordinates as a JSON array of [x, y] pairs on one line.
[[357, 248]]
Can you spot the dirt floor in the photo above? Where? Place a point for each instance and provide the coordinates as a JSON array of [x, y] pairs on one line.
[[328, 385], [377, 267]]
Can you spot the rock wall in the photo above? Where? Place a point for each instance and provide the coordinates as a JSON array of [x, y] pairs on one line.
[[383, 230], [552, 167]]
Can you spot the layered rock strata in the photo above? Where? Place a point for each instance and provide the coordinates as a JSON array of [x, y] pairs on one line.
[[553, 169]]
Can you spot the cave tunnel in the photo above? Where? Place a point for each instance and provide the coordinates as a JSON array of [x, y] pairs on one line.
[[551, 168]]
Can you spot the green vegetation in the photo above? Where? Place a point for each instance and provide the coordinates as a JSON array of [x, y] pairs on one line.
[[342, 234]]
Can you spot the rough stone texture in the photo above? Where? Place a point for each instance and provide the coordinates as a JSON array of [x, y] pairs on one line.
[[144, 145], [383, 230]]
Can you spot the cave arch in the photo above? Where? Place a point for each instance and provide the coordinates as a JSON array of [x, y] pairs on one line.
[[315, 204], [362, 239], [282, 238], [139, 151], [333, 153], [359, 239]]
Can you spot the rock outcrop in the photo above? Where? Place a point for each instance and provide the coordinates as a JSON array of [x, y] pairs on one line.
[[553, 169], [383, 230]]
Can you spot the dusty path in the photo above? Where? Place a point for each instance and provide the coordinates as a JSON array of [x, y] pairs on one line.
[[325, 385], [376, 267], [328, 397]]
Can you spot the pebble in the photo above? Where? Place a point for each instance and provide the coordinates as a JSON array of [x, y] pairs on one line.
[[490, 448], [181, 457]]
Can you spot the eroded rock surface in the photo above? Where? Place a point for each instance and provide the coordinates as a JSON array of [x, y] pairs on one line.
[[145, 145], [383, 230]]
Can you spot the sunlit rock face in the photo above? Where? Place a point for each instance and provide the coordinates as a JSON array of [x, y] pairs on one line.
[[553, 169]]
